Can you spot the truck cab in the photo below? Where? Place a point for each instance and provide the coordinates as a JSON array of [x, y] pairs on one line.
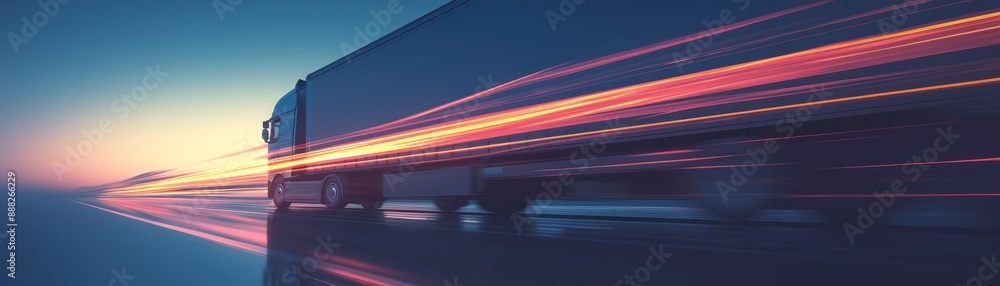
[[284, 135]]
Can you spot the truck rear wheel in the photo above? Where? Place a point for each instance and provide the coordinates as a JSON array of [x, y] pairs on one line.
[[333, 193], [279, 196], [503, 205], [450, 204]]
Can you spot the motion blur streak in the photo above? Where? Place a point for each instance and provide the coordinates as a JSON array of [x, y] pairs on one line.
[[240, 241], [648, 126], [647, 163], [652, 98], [587, 65], [935, 39], [216, 221], [244, 230], [979, 160], [671, 152]]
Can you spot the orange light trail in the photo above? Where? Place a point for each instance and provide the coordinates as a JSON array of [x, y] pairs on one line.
[[257, 169], [978, 31], [557, 72]]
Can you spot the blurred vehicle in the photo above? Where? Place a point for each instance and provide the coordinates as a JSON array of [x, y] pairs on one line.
[[402, 117]]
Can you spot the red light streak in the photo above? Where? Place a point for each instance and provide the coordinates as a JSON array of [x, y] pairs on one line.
[[979, 160]]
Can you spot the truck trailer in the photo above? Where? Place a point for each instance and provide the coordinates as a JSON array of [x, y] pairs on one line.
[[480, 101]]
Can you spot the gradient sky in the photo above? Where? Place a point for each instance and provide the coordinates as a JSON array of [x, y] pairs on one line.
[[225, 76]]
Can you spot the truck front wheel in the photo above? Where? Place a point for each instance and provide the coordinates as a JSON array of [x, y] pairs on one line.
[[279, 196], [333, 193]]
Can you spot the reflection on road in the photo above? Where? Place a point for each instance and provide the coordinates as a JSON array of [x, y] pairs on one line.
[[579, 243]]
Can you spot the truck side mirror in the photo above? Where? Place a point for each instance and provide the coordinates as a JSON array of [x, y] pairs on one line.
[[265, 135], [266, 124]]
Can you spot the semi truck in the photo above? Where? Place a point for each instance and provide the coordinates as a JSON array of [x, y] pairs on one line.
[[461, 87]]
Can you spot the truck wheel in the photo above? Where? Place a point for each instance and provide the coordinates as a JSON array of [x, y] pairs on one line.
[[502, 205], [333, 193], [372, 205], [279, 196], [450, 204]]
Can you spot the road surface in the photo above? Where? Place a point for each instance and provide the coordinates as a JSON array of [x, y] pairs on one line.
[[74, 241]]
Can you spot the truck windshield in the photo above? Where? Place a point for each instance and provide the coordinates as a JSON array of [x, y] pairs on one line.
[[285, 104]]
